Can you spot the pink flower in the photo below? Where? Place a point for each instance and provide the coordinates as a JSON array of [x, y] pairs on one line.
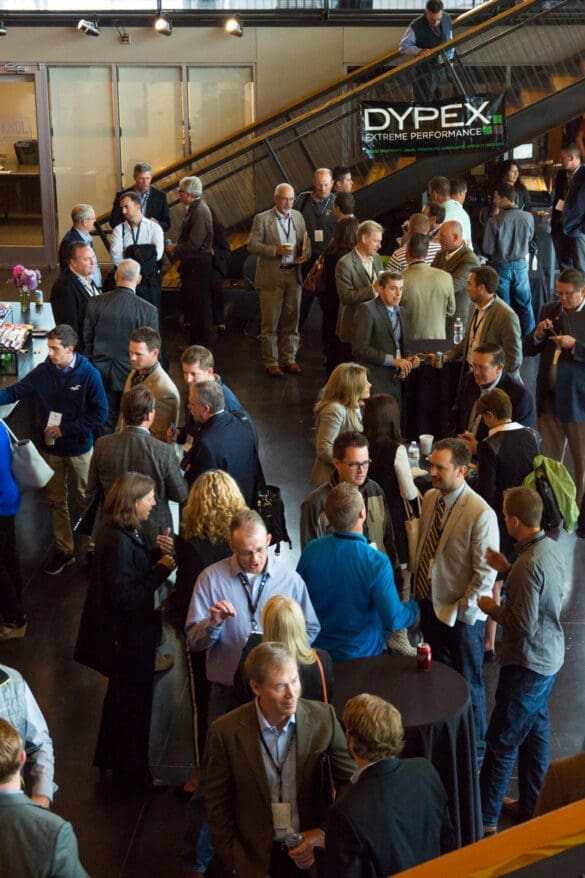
[[25, 277]]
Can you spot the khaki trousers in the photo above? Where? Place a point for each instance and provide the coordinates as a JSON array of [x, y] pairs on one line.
[[556, 435], [67, 470], [279, 310]]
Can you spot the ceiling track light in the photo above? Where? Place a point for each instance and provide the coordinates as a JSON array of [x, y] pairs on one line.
[[163, 25], [89, 28], [234, 27]]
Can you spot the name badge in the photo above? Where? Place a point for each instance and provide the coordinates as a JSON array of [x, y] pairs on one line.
[[557, 356], [398, 354], [318, 236], [560, 204], [281, 815]]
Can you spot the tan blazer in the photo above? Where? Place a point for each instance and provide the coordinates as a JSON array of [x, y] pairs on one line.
[[264, 239], [354, 286], [167, 401], [460, 574], [428, 299]]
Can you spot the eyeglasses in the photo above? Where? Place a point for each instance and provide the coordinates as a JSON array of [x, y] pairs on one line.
[[363, 464]]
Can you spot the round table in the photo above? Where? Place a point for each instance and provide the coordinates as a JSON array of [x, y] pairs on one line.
[[438, 724]]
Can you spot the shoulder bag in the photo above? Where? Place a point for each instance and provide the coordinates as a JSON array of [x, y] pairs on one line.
[[29, 468]]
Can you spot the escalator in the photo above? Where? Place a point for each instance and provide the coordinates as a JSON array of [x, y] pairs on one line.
[[532, 53]]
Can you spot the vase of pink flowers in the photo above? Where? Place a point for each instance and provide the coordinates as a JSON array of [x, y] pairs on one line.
[[27, 281]]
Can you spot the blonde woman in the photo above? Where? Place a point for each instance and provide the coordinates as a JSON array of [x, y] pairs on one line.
[[337, 411], [283, 621], [213, 500]]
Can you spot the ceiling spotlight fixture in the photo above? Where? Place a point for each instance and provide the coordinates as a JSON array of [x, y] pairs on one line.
[[89, 28], [162, 25], [3, 30], [234, 27]]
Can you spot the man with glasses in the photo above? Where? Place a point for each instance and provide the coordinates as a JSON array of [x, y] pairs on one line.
[[351, 583], [559, 338], [279, 239], [227, 603]]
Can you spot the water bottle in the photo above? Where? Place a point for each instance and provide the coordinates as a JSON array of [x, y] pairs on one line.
[[413, 455], [458, 331]]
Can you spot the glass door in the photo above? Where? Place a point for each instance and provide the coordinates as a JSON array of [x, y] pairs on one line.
[[27, 211]]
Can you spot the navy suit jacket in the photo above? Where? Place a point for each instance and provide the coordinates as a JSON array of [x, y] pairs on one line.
[[393, 818], [157, 207], [523, 410], [71, 236], [568, 402], [226, 443]]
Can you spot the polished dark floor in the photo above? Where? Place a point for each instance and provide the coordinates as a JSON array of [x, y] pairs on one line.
[[141, 837]]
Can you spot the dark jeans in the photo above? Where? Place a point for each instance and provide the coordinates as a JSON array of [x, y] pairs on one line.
[[11, 608], [518, 727], [514, 289], [461, 648]]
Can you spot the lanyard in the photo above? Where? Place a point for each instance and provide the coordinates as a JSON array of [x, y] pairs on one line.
[[285, 229], [135, 236], [253, 606], [279, 766]]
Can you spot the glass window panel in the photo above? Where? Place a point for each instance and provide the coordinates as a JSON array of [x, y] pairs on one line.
[[84, 160], [151, 117], [20, 190], [221, 101]]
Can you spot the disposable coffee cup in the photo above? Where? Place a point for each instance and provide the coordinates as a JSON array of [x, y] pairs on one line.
[[426, 443]]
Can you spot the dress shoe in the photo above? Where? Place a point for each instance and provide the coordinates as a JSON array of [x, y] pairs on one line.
[[274, 371], [293, 369], [511, 808], [163, 662]]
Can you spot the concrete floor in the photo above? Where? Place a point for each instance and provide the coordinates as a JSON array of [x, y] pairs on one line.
[[142, 837]]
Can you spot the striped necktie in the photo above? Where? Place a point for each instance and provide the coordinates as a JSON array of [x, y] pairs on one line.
[[422, 587]]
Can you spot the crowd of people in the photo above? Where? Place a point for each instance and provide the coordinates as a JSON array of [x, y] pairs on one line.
[[263, 638]]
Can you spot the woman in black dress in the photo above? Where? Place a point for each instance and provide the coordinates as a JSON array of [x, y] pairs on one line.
[[119, 629], [282, 620], [390, 466]]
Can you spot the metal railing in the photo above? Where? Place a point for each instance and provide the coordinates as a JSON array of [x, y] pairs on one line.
[[526, 52]]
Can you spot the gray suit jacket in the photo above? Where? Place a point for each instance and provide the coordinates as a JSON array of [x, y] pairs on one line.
[[35, 841], [136, 450], [500, 326], [109, 321], [459, 267], [237, 794], [167, 401], [353, 287], [264, 239], [373, 338], [428, 299], [460, 573]]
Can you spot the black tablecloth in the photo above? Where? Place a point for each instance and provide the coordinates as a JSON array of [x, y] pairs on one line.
[[429, 393], [438, 723]]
